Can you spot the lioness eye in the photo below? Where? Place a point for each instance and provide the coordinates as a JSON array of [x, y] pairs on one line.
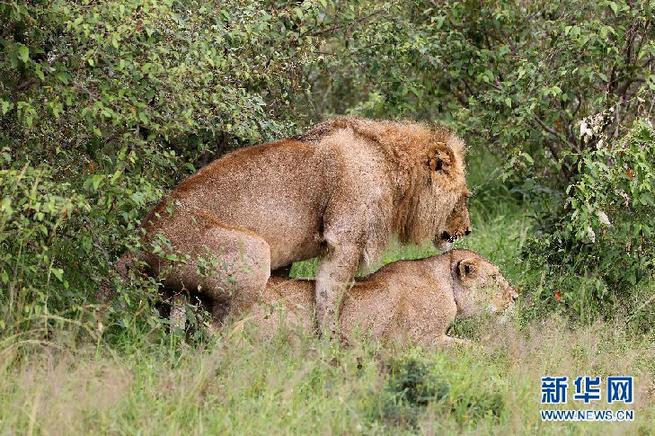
[[438, 166]]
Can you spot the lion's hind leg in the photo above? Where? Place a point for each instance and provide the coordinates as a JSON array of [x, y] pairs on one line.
[[230, 266]]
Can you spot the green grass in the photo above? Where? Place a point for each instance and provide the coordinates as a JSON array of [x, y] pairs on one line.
[[295, 384], [240, 385]]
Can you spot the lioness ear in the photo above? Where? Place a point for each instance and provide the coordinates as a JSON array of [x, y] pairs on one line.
[[467, 268]]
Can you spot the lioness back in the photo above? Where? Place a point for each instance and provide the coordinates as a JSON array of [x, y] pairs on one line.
[[413, 301], [284, 301]]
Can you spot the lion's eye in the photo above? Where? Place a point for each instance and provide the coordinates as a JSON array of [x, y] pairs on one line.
[[438, 166]]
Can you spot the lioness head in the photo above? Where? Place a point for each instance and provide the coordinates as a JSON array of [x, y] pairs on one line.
[[478, 285]]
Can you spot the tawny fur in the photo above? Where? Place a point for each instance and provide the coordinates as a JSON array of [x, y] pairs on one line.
[[404, 302], [340, 191]]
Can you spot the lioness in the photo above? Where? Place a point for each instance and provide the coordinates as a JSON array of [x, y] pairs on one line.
[[339, 191], [407, 301]]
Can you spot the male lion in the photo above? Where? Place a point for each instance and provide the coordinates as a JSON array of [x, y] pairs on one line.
[[407, 301], [340, 191]]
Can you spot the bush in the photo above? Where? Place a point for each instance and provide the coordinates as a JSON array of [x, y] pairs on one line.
[[416, 382], [516, 77], [33, 213], [54, 237], [598, 249]]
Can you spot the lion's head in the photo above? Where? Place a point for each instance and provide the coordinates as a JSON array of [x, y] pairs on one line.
[[439, 210], [457, 224], [426, 166], [478, 285]]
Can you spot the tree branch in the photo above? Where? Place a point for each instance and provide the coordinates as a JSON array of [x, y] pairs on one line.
[[554, 133], [342, 26]]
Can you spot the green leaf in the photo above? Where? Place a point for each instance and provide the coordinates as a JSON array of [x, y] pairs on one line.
[[5, 206], [39, 72], [23, 53], [5, 106], [143, 117], [62, 77], [527, 157], [58, 273]]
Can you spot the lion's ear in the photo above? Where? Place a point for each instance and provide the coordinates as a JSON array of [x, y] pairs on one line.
[[467, 268], [441, 158]]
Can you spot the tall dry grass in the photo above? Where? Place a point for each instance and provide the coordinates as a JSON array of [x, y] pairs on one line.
[[241, 385]]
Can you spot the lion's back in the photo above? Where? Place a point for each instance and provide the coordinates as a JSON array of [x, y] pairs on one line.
[[276, 190]]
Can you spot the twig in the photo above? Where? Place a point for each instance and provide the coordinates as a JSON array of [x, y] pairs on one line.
[[554, 132], [26, 84], [340, 26]]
